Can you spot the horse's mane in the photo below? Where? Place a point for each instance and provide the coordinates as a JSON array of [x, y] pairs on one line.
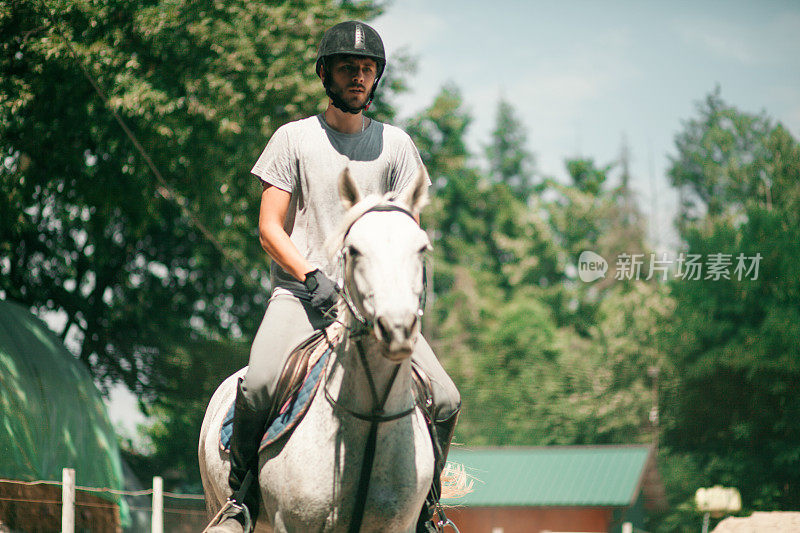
[[336, 240]]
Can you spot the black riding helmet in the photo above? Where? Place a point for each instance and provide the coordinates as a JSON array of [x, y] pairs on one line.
[[350, 38]]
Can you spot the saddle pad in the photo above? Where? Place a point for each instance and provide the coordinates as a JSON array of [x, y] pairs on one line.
[[291, 413]]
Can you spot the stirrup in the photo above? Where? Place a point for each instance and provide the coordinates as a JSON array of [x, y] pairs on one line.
[[441, 525], [443, 521], [230, 510]]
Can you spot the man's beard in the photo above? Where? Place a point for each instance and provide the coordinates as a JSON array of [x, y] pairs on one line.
[[354, 100]]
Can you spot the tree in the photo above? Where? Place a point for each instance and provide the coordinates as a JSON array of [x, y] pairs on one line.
[[732, 339], [526, 375], [589, 215], [509, 160], [136, 263], [160, 279], [722, 162], [569, 362]]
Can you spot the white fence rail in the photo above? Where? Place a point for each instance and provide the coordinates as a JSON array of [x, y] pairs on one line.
[[69, 502]]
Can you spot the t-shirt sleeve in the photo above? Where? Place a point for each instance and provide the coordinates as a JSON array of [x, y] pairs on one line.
[[406, 164], [277, 165]]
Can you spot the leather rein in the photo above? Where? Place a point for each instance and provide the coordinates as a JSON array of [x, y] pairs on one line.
[[377, 414]]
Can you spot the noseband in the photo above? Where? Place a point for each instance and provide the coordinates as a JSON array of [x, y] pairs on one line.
[[341, 258]]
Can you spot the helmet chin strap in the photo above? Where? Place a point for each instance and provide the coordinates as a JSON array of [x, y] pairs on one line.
[[339, 102]]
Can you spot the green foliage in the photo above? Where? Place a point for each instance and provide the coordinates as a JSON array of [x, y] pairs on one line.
[[585, 216], [722, 163], [509, 160], [734, 341], [504, 318], [586, 177], [540, 358], [439, 134], [180, 410], [86, 229]]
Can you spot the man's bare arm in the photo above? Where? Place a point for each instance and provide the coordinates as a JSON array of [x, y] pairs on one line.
[[273, 238]]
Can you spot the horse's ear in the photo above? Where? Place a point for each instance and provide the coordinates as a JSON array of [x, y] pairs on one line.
[[415, 196], [348, 190]]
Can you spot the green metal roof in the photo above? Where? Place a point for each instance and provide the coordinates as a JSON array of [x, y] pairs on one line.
[[597, 476]]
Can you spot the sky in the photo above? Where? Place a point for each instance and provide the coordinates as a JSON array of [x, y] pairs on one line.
[[583, 75]]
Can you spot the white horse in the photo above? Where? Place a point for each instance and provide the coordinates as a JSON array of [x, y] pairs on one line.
[[310, 480]]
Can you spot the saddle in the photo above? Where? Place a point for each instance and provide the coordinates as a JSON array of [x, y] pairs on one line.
[[298, 383], [299, 364]]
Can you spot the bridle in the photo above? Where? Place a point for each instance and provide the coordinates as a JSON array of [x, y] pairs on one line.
[[365, 327], [376, 416], [341, 260]]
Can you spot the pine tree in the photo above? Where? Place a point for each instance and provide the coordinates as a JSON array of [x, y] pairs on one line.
[[510, 162], [732, 340]]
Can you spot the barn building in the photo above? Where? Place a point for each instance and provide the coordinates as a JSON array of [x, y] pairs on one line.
[[51, 417], [587, 489]]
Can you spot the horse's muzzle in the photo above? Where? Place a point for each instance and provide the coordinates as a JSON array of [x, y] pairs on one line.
[[398, 334]]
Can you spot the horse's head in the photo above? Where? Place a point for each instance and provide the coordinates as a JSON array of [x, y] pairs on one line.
[[383, 252]]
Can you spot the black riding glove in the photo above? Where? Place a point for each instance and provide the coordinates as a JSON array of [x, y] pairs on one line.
[[323, 291]]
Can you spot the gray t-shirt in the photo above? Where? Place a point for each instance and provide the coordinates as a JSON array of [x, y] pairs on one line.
[[306, 157]]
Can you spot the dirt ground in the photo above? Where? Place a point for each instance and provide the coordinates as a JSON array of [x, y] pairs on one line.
[[775, 522]]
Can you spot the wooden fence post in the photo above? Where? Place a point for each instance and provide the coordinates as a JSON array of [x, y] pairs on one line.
[[157, 524], [68, 500]]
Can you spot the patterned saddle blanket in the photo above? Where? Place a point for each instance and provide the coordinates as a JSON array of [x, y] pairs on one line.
[[299, 382], [296, 388]]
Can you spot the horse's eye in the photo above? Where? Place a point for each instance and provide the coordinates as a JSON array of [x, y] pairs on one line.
[[425, 249], [353, 252]]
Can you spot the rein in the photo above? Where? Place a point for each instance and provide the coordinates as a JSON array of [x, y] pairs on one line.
[[375, 418], [377, 414], [372, 438]]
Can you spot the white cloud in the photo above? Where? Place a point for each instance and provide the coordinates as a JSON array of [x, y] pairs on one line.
[[749, 44], [408, 25], [559, 92]]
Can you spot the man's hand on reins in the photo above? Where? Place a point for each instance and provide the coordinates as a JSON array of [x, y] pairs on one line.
[[324, 293]]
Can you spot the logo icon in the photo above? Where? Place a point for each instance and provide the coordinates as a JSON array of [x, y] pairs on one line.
[[359, 37], [591, 266]]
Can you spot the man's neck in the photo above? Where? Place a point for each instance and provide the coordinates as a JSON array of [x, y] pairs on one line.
[[345, 122]]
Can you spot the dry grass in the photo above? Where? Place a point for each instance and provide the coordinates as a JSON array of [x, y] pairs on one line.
[[456, 483]]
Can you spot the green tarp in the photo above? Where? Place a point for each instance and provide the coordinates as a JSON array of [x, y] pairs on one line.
[[51, 413]]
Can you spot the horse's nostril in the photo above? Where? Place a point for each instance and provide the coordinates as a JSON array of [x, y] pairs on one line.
[[383, 329], [412, 325]]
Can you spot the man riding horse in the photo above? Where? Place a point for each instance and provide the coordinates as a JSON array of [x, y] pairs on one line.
[[300, 208]]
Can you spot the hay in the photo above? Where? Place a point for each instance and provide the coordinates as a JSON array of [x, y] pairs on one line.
[[456, 483]]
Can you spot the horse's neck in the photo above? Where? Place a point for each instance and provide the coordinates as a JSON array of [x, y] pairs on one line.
[[350, 385]]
